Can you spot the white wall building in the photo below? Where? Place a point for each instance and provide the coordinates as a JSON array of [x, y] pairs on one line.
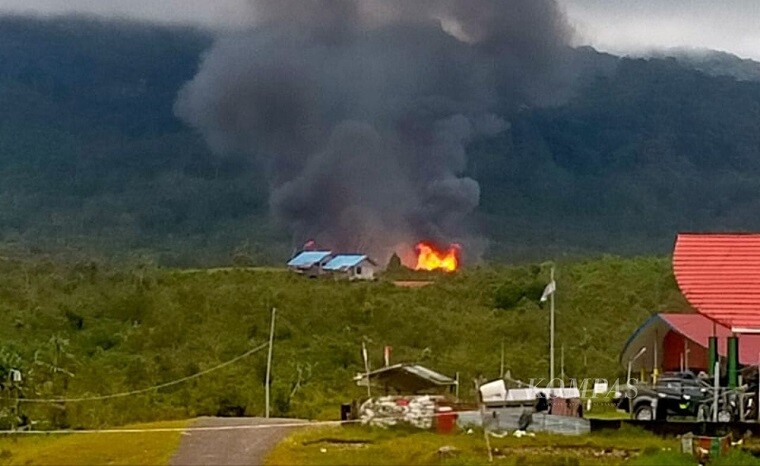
[[352, 267]]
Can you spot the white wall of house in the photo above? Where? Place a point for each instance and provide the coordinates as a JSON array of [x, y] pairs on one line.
[[364, 271]]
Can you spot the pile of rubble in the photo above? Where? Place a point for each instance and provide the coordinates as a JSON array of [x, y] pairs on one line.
[[387, 411]]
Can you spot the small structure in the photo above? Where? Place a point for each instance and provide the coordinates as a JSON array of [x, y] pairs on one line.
[[310, 263], [407, 379], [412, 395], [352, 267]]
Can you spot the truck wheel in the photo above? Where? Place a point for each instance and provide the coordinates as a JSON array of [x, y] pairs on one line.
[[725, 416], [644, 413]]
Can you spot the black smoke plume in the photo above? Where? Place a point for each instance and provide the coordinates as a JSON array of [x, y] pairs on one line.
[[361, 111]]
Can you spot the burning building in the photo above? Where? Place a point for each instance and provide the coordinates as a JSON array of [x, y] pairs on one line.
[[431, 258]]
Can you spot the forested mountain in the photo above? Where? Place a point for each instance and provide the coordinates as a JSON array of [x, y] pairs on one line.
[[93, 161], [715, 63]]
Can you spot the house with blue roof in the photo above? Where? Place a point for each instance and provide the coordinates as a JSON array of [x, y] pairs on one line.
[[351, 267], [310, 263]]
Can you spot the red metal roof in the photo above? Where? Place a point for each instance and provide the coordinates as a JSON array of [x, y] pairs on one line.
[[719, 274], [699, 328]]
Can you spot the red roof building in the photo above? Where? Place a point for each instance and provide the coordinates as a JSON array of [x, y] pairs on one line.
[[673, 338], [719, 274]]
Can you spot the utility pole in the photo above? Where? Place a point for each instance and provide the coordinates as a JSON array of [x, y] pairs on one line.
[[501, 367], [365, 356], [269, 362]]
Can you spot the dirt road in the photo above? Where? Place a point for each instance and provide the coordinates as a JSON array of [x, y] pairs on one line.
[[229, 447]]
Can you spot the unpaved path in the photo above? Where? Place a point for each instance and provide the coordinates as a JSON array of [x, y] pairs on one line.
[[236, 446]]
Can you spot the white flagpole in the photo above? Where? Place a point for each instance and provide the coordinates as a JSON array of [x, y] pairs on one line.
[[551, 331]]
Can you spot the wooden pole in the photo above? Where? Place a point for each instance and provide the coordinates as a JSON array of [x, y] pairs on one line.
[[501, 366], [269, 363], [482, 409], [14, 411], [488, 445], [365, 356]]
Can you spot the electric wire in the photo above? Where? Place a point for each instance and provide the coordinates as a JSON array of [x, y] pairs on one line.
[[148, 389]]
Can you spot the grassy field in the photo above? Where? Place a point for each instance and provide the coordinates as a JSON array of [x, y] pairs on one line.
[[391, 447], [86, 329], [148, 448], [358, 445]]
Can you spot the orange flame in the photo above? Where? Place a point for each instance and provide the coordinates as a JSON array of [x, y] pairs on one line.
[[429, 258]]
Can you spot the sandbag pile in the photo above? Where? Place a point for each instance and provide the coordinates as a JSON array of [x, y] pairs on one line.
[[387, 411]]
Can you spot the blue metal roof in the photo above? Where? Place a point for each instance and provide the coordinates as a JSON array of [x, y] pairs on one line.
[[308, 258], [344, 261]]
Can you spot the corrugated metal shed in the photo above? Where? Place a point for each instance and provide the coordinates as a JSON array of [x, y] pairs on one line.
[[308, 258], [406, 378], [344, 261], [719, 274]]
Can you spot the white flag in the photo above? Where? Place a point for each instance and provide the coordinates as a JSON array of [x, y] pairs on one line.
[[548, 291]]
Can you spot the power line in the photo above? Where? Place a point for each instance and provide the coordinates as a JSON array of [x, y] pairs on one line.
[[145, 390]]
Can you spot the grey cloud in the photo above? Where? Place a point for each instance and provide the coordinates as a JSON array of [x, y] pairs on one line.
[[643, 25], [617, 26]]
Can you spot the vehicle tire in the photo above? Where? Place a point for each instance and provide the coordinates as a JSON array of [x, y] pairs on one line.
[[725, 416], [644, 413]]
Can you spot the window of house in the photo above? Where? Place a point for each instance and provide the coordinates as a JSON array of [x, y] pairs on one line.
[[359, 270]]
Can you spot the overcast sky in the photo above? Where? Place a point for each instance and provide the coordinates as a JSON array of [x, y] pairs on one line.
[[618, 26]]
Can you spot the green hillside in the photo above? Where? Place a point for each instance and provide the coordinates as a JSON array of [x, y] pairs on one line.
[[86, 329]]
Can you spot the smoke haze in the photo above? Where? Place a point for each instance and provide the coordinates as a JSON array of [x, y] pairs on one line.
[[361, 111]]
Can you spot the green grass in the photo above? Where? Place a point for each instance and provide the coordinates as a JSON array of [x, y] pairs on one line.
[[317, 446], [603, 408], [149, 448]]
